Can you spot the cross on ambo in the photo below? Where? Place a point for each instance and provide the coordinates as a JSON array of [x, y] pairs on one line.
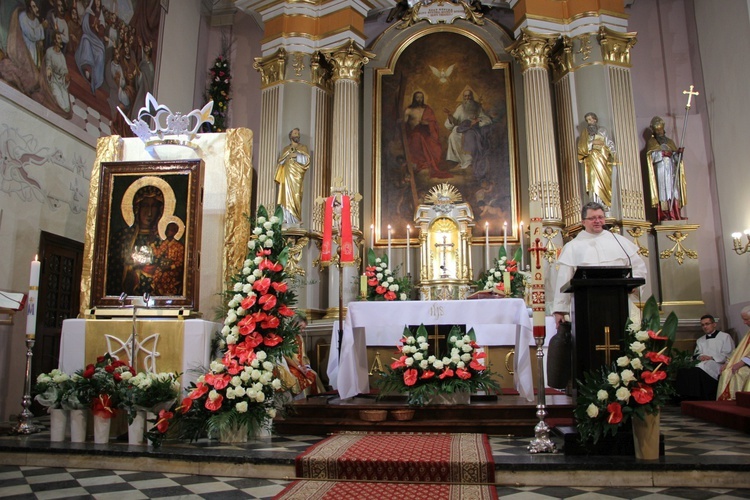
[[607, 347]]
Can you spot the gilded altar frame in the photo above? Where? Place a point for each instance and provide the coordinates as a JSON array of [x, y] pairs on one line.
[[422, 63], [163, 261]]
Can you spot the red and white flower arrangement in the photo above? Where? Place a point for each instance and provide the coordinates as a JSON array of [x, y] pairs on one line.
[[421, 375], [238, 391], [383, 282]]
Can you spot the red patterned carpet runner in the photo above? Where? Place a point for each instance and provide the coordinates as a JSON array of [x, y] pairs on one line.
[[413, 464]]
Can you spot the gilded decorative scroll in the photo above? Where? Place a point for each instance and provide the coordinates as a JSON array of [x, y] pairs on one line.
[[532, 49], [678, 250], [238, 161], [272, 68], [636, 233], [107, 149], [616, 46], [561, 58]]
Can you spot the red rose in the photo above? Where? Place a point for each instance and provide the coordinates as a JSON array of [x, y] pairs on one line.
[[89, 371], [109, 368], [463, 374], [100, 359], [248, 302], [642, 393], [118, 377], [215, 404], [410, 377], [615, 413], [163, 423]]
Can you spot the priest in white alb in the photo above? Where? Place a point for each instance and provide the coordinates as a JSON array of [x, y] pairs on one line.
[[594, 246]]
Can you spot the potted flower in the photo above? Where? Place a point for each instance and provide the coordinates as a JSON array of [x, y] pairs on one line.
[[382, 282], [236, 397], [145, 392], [635, 387], [98, 382], [49, 389], [461, 371], [493, 279]]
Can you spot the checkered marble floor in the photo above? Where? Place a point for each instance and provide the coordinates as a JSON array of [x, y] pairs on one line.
[[688, 441]]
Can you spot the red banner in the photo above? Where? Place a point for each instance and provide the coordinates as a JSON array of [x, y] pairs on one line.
[[347, 246], [325, 251]]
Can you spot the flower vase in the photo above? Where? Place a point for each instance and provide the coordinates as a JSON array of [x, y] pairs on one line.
[[58, 423], [646, 437], [137, 428], [78, 426], [101, 429], [455, 398], [233, 434]]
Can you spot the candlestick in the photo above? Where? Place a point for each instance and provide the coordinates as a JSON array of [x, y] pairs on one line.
[[33, 298], [372, 235], [521, 236], [505, 236], [389, 245], [408, 248], [486, 246]]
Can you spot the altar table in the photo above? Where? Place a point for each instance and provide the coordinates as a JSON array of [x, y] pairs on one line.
[[495, 322], [194, 351]]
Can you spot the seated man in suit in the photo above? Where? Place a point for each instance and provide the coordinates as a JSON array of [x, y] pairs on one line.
[[711, 352], [736, 373], [294, 370]]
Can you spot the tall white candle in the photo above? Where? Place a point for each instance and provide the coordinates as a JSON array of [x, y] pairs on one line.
[[505, 236], [486, 246], [33, 298], [408, 249], [523, 256], [389, 245], [372, 235]]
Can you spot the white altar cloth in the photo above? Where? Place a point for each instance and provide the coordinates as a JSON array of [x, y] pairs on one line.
[[196, 346], [495, 322]]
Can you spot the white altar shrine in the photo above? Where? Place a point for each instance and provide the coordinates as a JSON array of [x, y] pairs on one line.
[[495, 322]]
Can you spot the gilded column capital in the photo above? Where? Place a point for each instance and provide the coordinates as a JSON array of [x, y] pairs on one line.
[[347, 61], [272, 67], [616, 46], [320, 71], [532, 49], [562, 58]]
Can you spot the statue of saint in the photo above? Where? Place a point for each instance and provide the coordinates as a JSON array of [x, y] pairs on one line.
[[596, 152], [666, 173], [290, 175]]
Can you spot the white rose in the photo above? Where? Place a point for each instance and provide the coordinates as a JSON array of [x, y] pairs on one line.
[[393, 288], [431, 359], [260, 220], [257, 261], [453, 339], [269, 234], [276, 384], [271, 412], [637, 347], [424, 364], [241, 407], [623, 361], [592, 411], [460, 364], [246, 270], [255, 374], [402, 296], [248, 287], [230, 393], [424, 346], [627, 376], [602, 395], [268, 244], [409, 361], [622, 394], [613, 379], [492, 270], [257, 273], [641, 335], [390, 279], [268, 366], [437, 364], [267, 225], [251, 244], [213, 395], [378, 260], [245, 376], [217, 366], [466, 357], [126, 375], [418, 356], [261, 355], [379, 276], [236, 381], [274, 219], [238, 286], [636, 364], [239, 391], [467, 348], [257, 231], [260, 397], [498, 275]]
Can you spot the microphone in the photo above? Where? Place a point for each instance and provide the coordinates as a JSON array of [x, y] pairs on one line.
[[607, 228]]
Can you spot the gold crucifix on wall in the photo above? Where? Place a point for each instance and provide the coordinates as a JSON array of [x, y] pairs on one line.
[[607, 347]]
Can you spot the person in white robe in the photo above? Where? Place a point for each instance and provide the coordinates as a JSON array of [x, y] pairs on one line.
[[32, 30], [736, 373], [594, 246], [711, 352], [468, 117], [56, 69]]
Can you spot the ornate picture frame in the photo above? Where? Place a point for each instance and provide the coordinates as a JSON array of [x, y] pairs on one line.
[[148, 232], [469, 145]]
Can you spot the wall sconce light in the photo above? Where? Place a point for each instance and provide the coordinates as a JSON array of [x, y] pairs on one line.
[[738, 248]]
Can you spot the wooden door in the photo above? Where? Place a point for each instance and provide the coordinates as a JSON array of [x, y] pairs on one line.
[[59, 296]]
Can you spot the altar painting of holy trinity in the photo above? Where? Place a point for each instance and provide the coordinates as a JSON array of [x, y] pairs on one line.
[[444, 114], [147, 237]]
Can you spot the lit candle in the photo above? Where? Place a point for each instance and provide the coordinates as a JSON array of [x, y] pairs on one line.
[[408, 247], [389, 245], [372, 235], [521, 236], [33, 295], [505, 236], [486, 245]]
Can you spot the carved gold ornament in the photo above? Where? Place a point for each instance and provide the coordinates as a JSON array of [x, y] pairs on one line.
[[679, 251], [636, 233]]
